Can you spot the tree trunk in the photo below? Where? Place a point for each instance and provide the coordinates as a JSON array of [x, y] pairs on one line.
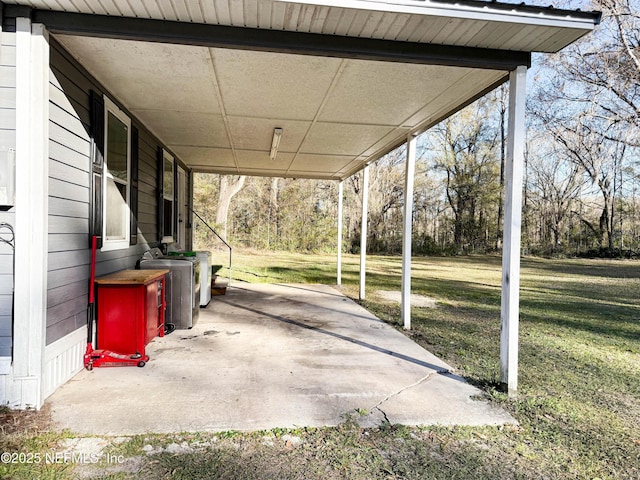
[[229, 186], [273, 210], [503, 157]]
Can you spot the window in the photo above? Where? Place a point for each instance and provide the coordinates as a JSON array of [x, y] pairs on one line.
[[116, 178], [182, 208], [168, 198]]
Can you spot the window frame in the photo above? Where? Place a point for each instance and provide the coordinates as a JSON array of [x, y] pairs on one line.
[[181, 194], [121, 243], [166, 155]]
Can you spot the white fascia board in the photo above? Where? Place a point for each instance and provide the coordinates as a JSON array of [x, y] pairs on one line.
[[562, 19]]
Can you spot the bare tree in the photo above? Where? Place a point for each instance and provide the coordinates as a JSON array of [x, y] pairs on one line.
[[229, 186], [591, 107], [501, 100], [554, 184], [467, 155]]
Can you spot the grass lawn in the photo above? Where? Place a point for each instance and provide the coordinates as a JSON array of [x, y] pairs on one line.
[[579, 395]]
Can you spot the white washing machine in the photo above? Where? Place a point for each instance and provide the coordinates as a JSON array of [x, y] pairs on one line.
[[205, 276]]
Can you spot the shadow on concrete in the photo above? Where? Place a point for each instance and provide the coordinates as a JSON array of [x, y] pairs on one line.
[[406, 358]]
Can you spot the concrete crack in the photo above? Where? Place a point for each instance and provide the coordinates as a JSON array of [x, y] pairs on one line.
[[386, 419], [426, 378]]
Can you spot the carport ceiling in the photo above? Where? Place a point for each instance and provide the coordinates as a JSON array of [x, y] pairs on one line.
[[217, 108], [215, 102]]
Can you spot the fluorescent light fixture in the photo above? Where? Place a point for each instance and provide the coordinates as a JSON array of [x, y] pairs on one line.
[[277, 135]]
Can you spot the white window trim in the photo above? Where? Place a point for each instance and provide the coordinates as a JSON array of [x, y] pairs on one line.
[[181, 184], [109, 245], [167, 156]]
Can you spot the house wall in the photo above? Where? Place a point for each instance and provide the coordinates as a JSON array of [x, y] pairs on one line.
[[69, 214], [7, 141], [68, 206]]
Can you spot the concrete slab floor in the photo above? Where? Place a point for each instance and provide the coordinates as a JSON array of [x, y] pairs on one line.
[[267, 356]]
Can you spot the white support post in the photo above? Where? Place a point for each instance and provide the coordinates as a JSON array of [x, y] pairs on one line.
[[363, 230], [407, 234], [512, 227], [32, 161], [339, 259]]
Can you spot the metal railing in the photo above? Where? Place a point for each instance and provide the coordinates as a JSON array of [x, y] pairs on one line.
[[221, 239]]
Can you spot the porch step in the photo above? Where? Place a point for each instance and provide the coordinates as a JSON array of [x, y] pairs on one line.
[[218, 287]]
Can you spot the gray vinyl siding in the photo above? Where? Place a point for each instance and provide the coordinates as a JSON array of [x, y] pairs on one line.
[[7, 140], [69, 166], [147, 187], [70, 197]]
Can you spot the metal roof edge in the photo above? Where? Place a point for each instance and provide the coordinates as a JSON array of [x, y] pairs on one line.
[[593, 15], [478, 9]]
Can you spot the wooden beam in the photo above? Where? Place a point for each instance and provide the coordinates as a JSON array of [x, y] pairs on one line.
[[512, 226], [407, 235]]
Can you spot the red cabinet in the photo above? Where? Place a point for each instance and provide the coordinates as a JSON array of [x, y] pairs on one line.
[[131, 306]]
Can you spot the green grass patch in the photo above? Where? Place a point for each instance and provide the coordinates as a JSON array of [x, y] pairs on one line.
[[578, 406], [579, 396]]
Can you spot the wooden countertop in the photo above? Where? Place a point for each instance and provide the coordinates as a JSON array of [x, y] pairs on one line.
[[131, 277]]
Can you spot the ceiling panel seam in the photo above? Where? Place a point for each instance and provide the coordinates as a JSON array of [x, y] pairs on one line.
[[471, 31], [107, 10], [398, 25], [154, 7], [506, 32], [133, 11], [383, 26], [357, 25], [450, 31], [336, 174], [325, 99], [391, 145], [87, 7], [431, 33], [223, 110], [460, 79], [249, 19], [345, 22], [170, 12], [263, 13], [331, 22], [182, 10], [117, 7], [277, 15], [307, 14], [524, 37], [146, 10], [409, 26], [223, 11], [237, 13], [405, 20], [486, 31], [319, 19], [209, 12], [194, 11], [371, 25], [303, 23], [457, 31]]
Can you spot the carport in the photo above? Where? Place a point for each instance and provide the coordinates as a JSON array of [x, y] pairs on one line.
[[274, 356], [322, 88], [305, 88]]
